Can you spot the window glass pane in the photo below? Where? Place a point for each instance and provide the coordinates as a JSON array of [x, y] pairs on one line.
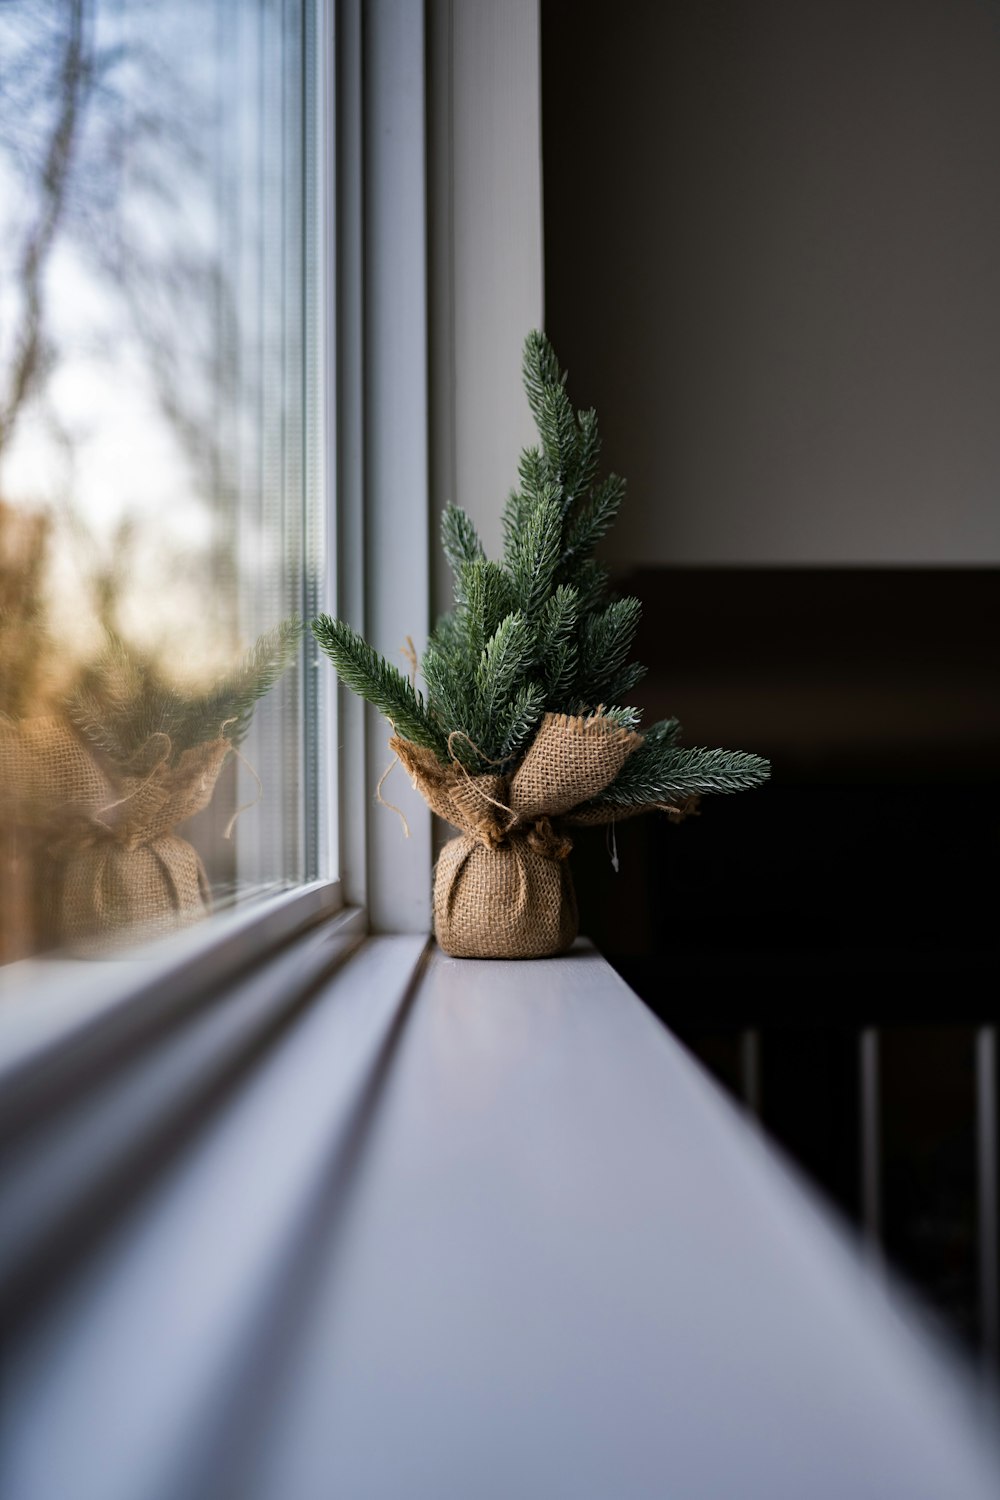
[[159, 464]]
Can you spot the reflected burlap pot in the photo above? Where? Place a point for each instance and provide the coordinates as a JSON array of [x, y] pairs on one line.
[[123, 873], [113, 891], [503, 888], [128, 876], [50, 788], [47, 777]]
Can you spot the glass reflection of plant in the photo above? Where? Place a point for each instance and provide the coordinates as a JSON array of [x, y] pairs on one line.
[[124, 700], [120, 161], [23, 664], [159, 752], [91, 794]]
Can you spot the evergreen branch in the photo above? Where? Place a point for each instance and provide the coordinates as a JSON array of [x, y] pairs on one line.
[[663, 732], [515, 511], [459, 538], [536, 551], [606, 640], [621, 684], [558, 431], [625, 718], [452, 699], [540, 369], [659, 772], [521, 721], [595, 518], [485, 596], [557, 620], [369, 675], [583, 471], [109, 700], [591, 583], [447, 634], [532, 472], [556, 647], [103, 728], [504, 661]]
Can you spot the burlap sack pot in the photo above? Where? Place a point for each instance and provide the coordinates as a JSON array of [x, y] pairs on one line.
[[503, 888]]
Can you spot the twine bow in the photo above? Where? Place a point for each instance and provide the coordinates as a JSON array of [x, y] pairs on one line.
[[540, 835]]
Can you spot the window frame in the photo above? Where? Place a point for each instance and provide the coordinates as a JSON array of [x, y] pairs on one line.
[[107, 1064], [365, 221], [388, 214], [377, 406]]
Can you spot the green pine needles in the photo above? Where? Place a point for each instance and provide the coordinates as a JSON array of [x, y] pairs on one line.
[[536, 633]]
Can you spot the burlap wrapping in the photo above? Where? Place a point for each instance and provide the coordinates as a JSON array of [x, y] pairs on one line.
[[114, 892], [123, 872], [503, 888], [50, 786], [132, 877], [47, 776]]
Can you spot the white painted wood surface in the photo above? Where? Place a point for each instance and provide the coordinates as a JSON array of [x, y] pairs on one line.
[[149, 1374], [500, 1238], [570, 1269], [396, 505]]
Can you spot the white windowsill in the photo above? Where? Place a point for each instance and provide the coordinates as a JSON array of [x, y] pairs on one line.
[[481, 1229], [52, 1001]]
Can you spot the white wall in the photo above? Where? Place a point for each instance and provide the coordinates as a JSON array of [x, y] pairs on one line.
[[773, 264], [486, 250]]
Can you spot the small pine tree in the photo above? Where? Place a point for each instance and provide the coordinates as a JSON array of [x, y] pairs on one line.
[[536, 633]]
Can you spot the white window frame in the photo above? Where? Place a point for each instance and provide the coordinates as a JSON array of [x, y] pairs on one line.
[[368, 229], [396, 564]]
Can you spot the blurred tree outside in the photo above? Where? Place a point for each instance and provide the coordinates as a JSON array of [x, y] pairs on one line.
[[128, 407]]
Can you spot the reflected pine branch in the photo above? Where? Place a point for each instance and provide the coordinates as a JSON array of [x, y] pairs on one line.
[[123, 700]]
